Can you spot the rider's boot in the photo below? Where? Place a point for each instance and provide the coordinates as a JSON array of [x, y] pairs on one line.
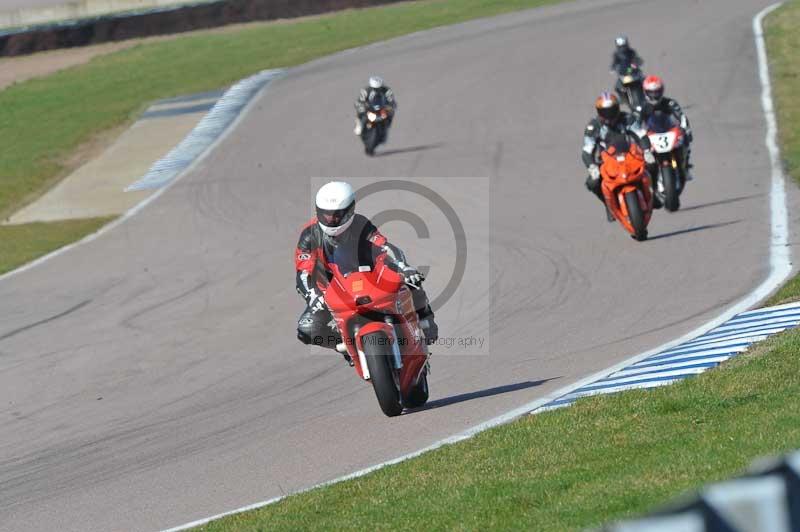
[[595, 187], [359, 127], [429, 327], [342, 348]]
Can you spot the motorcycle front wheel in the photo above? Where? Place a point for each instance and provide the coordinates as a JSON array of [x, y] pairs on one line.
[[378, 351], [672, 200], [636, 99], [636, 216], [371, 138]]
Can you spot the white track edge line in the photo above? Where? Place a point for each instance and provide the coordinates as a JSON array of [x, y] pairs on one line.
[[780, 268], [150, 199]]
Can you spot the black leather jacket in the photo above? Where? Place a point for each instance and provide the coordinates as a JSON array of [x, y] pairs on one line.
[[598, 136], [359, 245], [670, 107], [622, 58], [367, 94]]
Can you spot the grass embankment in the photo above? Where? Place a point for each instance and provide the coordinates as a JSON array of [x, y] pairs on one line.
[[44, 121], [783, 41], [24, 243], [604, 458]]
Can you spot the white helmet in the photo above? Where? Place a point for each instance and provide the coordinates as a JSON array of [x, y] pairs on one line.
[[336, 205], [621, 41], [376, 82]]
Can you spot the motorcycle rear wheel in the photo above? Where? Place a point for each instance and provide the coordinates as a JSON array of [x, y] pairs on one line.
[[636, 216], [378, 351]]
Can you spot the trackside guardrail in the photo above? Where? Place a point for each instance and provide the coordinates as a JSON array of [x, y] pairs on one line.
[[163, 21]]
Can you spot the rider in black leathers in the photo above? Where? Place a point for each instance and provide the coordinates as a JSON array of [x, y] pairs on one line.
[[658, 103], [375, 89], [349, 240], [623, 57], [602, 131]]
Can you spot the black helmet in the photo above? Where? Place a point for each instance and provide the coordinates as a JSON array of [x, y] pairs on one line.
[[607, 106]]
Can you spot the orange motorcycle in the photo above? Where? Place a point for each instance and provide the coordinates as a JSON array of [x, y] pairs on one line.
[[626, 187]]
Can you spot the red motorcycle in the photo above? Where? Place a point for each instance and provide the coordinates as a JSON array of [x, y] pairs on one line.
[[375, 313], [626, 187]]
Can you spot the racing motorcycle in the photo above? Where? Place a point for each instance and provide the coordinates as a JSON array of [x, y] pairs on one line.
[[374, 133], [626, 186], [667, 140], [630, 88], [375, 313]]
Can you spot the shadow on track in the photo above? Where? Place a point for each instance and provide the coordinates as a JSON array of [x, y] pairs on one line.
[[410, 149], [489, 392], [721, 202], [693, 230]]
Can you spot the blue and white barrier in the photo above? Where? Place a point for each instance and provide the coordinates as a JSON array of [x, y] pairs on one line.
[[693, 357], [210, 129]]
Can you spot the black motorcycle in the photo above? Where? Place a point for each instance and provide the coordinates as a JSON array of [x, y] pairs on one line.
[[379, 118], [630, 87]]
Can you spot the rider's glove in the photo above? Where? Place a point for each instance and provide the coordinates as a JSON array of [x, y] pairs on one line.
[[594, 172], [412, 276], [316, 302], [649, 158]]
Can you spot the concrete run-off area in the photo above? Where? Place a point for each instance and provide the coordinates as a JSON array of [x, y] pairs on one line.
[[98, 187]]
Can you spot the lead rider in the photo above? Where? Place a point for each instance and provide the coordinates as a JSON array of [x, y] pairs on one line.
[[337, 235]]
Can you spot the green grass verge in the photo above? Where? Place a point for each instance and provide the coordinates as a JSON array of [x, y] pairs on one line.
[[604, 458], [23, 243], [783, 40], [45, 120]]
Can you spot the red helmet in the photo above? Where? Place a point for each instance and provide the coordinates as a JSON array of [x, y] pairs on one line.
[[653, 89], [607, 105]]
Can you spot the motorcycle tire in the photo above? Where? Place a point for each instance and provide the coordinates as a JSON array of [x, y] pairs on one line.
[[636, 216], [418, 395], [636, 102], [371, 140], [672, 200], [378, 351]]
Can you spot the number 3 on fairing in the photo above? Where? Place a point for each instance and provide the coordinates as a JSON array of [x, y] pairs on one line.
[[662, 142]]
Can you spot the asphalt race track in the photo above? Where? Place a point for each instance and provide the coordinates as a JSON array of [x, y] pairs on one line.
[[152, 377]]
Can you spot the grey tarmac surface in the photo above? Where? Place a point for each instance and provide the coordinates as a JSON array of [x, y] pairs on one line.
[[152, 376]]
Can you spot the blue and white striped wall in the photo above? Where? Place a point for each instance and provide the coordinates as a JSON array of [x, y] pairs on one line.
[[210, 129], [692, 357]]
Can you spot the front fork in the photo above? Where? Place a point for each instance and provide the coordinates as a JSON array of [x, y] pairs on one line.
[[674, 160], [397, 358]]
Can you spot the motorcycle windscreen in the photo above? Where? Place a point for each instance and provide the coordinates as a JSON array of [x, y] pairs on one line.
[[350, 253], [661, 122], [377, 100], [619, 141]]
